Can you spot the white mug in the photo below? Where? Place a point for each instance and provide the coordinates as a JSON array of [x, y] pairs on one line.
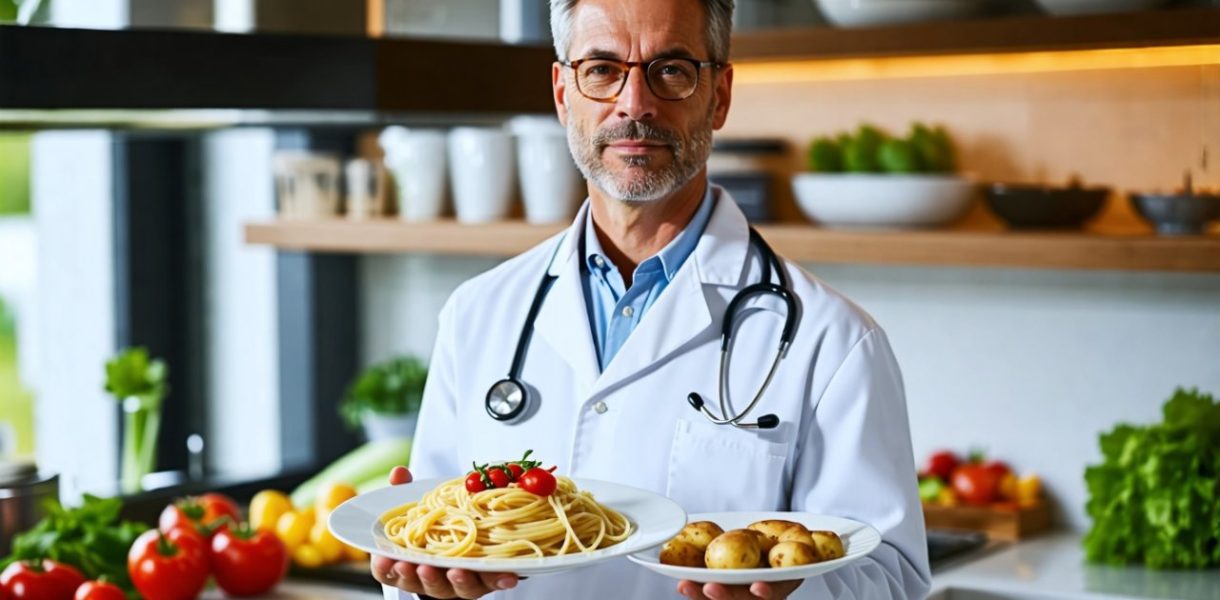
[[551, 185], [416, 160], [481, 171]]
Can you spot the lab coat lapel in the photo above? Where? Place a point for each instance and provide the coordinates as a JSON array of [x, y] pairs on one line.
[[682, 312], [563, 319]]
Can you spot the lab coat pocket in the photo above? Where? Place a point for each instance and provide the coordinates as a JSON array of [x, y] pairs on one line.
[[719, 468]]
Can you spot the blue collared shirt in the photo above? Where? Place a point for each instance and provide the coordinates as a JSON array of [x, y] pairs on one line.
[[615, 311]]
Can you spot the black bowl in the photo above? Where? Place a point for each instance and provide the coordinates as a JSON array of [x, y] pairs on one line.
[[1177, 214], [1037, 207]]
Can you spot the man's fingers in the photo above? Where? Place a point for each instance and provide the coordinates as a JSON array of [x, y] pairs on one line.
[[498, 581], [435, 583], [760, 589], [691, 590], [399, 476], [405, 577], [467, 584]]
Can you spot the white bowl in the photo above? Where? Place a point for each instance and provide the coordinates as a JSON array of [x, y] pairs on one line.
[[863, 13], [888, 201], [1088, 7]]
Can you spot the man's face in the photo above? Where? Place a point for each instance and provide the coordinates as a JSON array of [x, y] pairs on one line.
[[640, 147]]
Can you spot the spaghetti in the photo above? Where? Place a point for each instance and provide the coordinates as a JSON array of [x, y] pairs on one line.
[[505, 522]]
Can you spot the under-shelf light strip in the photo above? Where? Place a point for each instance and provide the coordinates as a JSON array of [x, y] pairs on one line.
[[846, 69]]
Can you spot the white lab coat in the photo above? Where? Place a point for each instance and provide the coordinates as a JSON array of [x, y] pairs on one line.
[[843, 447]]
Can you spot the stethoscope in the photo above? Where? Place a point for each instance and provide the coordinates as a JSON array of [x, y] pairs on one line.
[[507, 398]]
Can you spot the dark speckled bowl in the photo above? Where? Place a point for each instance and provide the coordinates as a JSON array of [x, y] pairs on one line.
[[1025, 206], [1177, 214]]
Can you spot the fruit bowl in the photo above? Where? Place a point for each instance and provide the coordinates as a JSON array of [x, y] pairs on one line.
[[853, 201]]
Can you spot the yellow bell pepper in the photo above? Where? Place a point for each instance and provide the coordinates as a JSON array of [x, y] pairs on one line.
[[1008, 487], [331, 496], [266, 508], [1029, 490], [307, 556], [310, 516], [293, 529], [328, 546]]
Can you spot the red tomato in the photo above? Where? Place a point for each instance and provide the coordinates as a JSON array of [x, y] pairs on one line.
[[201, 512], [246, 562], [498, 477], [170, 565], [975, 484], [999, 467], [942, 464], [538, 481], [474, 483], [515, 471], [99, 590], [46, 581]]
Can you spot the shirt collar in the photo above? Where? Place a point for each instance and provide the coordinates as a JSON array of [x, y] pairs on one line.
[[671, 256]]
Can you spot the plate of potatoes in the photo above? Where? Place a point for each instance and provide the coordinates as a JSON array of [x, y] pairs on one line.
[[743, 547]]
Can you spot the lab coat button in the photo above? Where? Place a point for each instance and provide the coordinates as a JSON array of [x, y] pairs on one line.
[[600, 407], [628, 311], [597, 260]]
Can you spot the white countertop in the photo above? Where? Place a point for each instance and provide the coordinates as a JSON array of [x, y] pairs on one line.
[[1050, 567], [1053, 567]]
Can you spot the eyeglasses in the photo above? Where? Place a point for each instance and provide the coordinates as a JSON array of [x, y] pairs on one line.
[[603, 79]]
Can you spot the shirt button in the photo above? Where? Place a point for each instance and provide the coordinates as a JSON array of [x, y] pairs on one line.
[[628, 311], [600, 407]]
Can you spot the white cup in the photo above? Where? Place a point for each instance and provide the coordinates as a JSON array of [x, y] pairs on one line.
[[416, 160], [365, 189], [307, 184], [551, 185], [481, 171]]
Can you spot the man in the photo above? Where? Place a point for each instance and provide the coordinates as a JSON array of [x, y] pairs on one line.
[[630, 324]]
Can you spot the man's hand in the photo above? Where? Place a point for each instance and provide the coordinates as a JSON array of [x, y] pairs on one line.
[[777, 590], [431, 581]]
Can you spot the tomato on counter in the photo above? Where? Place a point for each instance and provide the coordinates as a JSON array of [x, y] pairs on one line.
[[200, 512], [942, 464], [247, 562], [169, 565], [99, 590], [974, 483], [48, 580]]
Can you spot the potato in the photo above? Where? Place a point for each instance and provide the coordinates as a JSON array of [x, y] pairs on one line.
[[737, 549], [699, 534], [792, 554], [772, 529], [829, 544], [681, 554]]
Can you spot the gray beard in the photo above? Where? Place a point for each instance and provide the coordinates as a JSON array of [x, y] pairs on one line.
[[689, 159]]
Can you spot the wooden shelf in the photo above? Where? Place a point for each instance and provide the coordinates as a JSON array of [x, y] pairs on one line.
[[806, 243], [1178, 27]]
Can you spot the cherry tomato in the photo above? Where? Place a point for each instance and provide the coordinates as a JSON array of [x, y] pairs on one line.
[[942, 464], [47, 580], [200, 512], [247, 562], [515, 471], [170, 565], [498, 477], [538, 481], [975, 484], [99, 590], [474, 483]]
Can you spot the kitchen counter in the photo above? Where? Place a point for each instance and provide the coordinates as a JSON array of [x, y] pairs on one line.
[[1053, 567], [1045, 568]]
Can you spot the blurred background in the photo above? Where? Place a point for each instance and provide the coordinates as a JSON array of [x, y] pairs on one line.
[[275, 197]]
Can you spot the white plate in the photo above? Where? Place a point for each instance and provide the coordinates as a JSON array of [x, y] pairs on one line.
[[858, 541], [655, 519]]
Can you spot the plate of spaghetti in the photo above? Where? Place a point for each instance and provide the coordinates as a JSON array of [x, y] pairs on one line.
[[508, 517]]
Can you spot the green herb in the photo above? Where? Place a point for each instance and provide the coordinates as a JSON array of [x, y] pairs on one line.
[[1155, 499], [90, 538], [394, 387], [139, 384]]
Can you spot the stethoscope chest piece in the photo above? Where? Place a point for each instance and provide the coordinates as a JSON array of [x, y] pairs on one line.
[[505, 400]]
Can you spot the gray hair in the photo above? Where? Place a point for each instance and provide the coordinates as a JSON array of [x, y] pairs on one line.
[[718, 14]]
